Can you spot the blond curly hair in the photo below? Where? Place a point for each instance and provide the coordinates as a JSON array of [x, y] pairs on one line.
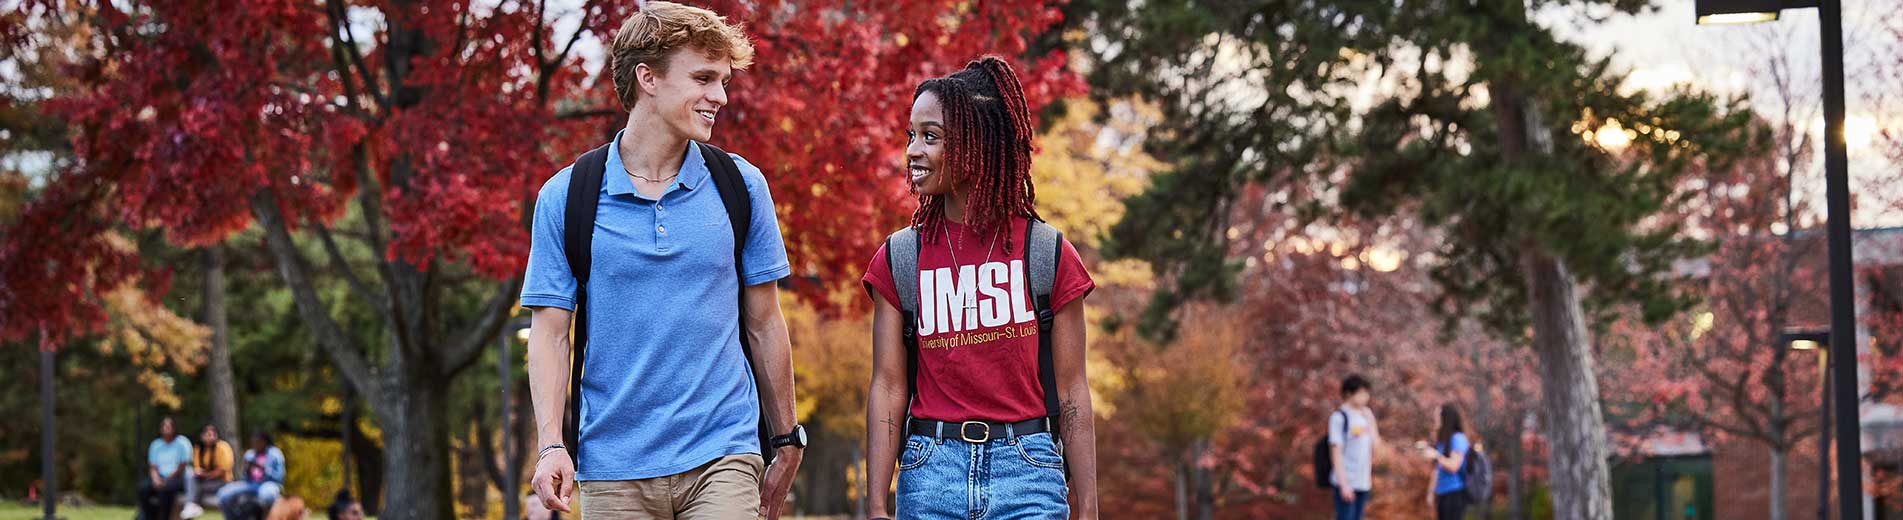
[[653, 34]]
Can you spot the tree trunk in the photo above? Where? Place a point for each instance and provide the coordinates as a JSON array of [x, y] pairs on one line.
[[413, 414], [1777, 483], [861, 506], [1202, 482], [224, 393], [821, 488], [1182, 489], [368, 458], [472, 490], [1482, 414], [1516, 469], [1572, 423]]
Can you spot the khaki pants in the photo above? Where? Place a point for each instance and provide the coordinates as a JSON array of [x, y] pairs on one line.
[[725, 489]]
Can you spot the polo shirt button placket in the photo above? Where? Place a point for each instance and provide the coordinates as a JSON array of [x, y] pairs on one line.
[[660, 227]]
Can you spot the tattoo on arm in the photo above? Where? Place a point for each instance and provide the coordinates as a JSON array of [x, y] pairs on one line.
[[1068, 414], [891, 426]]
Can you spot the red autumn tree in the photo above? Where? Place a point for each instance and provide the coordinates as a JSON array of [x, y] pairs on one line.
[[1315, 303], [418, 130]]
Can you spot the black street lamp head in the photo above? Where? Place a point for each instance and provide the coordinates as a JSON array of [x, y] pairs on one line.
[[1718, 12], [1804, 339]]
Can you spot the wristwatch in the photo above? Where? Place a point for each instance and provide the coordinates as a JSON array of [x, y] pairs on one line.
[[795, 439]]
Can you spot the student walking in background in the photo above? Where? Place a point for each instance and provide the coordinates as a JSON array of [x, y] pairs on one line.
[[1446, 489], [1352, 437]]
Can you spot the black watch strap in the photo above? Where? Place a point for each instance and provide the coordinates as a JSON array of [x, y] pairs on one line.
[[795, 438]]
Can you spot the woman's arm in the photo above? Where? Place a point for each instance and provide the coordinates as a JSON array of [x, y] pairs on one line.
[[1075, 420], [275, 459], [1452, 462], [885, 406]]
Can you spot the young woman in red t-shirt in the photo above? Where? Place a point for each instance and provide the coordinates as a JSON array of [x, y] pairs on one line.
[[975, 441]]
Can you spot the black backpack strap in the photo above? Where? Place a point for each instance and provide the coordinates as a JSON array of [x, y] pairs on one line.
[[1043, 245], [734, 196], [901, 256], [578, 236]]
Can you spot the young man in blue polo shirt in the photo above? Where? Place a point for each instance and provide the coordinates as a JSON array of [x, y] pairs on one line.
[[669, 415]]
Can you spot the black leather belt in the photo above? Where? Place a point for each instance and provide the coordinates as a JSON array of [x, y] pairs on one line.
[[977, 431]]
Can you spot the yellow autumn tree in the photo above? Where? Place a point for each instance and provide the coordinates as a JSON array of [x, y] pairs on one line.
[[159, 342], [1086, 164], [1182, 396]]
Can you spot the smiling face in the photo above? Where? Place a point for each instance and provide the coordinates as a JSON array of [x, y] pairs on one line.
[[687, 94], [925, 146]]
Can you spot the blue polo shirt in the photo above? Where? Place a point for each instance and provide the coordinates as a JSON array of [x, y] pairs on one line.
[[666, 386]]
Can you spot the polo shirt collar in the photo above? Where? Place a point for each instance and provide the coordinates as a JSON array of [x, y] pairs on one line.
[[615, 179]]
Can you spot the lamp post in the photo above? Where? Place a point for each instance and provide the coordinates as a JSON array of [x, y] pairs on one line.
[[511, 495], [1843, 319], [49, 485], [1813, 340]]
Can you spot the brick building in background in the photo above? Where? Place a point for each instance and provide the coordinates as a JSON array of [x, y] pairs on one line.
[[1681, 476]]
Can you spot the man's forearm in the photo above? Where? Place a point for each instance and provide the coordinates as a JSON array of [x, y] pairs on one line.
[[548, 368], [773, 361], [1341, 472], [772, 355]]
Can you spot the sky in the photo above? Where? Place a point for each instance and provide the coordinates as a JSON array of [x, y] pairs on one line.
[[1736, 59]]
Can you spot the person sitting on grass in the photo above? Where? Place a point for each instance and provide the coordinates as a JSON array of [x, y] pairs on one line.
[[345, 507], [262, 478]]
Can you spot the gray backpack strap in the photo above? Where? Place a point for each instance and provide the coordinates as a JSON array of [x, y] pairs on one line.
[[901, 253], [1043, 244], [901, 256]]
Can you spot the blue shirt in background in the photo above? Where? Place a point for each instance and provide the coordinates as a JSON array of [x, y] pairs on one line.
[[273, 467], [666, 387], [168, 455], [1450, 481]]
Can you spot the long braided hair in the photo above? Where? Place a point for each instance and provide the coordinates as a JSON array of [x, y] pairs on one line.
[[987, 148]]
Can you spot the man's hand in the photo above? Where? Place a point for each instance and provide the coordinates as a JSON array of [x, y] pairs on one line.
[[1347, 495], [554, 480], [779, 480]]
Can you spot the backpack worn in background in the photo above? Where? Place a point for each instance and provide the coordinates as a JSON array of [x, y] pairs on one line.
[[1477, 473], [578, 228], [1323, 461], [1043, 244]]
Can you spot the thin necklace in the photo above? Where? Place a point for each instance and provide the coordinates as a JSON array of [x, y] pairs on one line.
[[654, 180], [946, 229]]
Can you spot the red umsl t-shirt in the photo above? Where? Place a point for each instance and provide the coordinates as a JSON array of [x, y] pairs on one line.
[[981, 363]]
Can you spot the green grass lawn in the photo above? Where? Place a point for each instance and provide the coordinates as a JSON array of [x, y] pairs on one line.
[[10, 510]]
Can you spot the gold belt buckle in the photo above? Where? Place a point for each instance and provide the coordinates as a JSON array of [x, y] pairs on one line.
[[965, 428]]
